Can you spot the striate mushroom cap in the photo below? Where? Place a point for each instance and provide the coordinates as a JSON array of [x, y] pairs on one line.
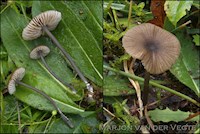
[[157, 48], [33, 30], [44, 51], [17, 75]]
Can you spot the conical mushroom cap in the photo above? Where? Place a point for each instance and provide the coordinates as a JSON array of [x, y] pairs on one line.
[[35, 52], [17, 75], [157, 48], [33, 30]]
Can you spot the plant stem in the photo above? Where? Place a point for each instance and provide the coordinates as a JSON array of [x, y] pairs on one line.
[[65, 53], [48, 123], [19, 118], [154, 84], [182, 26], [89, 87], [146, 88], [24, 12], [130, 12], [49, 69], [65, 119]]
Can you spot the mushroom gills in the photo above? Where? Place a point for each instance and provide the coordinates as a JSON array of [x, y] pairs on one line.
[[44, 23], [40, 52], [157, 49]]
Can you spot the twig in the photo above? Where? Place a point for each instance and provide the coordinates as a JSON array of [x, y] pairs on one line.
[[136, 86], [192, 116], [108, 112], [153, 103], [182, 26], [148, 119]]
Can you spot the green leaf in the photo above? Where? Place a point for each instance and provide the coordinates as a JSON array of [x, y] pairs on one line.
[[91, 15], [6, 65], [80, 34], [175, 10], [9, 129], [186, 69], [197, 128], [114, 37], [196, 4], [87, 124], [36, 128], [8, 108], [114, 86], [196, 39], [115, 6], [168, 115], [18, 50]]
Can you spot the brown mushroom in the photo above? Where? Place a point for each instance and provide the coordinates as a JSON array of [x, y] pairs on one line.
[[40, 52], [157, 49], [44, 23], [16, 78], [34, 29]]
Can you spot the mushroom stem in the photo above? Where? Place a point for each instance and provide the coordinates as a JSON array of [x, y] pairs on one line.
[[134, 77], [49, 69], [146, 88], [88, 85], [65, 119]]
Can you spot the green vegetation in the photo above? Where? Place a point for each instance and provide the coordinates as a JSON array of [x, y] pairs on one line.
[[92, 32]]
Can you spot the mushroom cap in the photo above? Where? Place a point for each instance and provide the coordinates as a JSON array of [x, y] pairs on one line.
[[17, 75], [34, 30], [44, 51], [157, 48]]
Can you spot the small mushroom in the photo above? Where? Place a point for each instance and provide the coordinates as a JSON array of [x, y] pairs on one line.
[[16, 78], [157, 49], [48, 19], [44, 23], [39, 53]]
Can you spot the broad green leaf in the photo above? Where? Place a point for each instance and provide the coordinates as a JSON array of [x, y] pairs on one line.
[[89, 12], [80, 34], [18, 50], [87, 124], [186, 68], [114, 86], [168, 115], [196, 39], [3, 53], [175, 10]]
